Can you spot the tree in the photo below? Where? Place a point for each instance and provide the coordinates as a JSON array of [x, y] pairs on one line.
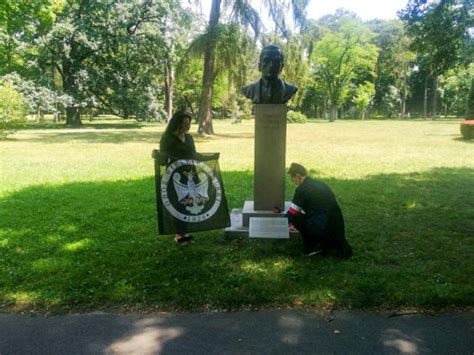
[[233, 46], [339, 57], [455, 89], [175, 41], [439, 30], [133, 69], [21, 22], [401, 66], [395, 63], [38, 98], [205, 109], [243, 14], [314, 102], [364, 94], [12, 109], [74, 38], [110, 52], [188, 84]]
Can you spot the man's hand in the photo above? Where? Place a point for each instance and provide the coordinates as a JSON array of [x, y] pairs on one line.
[[292, 229], [276, 210]]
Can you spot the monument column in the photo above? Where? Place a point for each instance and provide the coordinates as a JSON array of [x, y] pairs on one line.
[[269, 94], [270, 156]]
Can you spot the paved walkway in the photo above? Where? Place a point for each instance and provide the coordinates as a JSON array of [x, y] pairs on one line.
[[263, 332]]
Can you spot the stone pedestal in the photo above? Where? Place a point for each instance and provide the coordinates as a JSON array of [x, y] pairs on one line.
[[269, 178], [270, 156]]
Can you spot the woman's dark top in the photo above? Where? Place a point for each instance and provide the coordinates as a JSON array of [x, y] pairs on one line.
[[176, 148]]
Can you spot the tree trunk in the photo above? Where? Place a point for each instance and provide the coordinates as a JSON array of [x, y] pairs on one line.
[[470, 103], [205, 107], [403, 106], [333, 112], [434, 101], [467, 112], [73, 117], [169, 83], [53, 79], [425, 99], [325, 109]]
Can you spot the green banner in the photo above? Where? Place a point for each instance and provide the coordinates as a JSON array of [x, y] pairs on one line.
[[190, 194]]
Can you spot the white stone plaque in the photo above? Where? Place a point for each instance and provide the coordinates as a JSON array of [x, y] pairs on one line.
[[269, 228]]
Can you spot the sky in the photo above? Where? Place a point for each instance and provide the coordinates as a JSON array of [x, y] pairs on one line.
[[366, 9]]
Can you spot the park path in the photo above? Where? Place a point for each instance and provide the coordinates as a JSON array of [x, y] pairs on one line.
[[263, 332]]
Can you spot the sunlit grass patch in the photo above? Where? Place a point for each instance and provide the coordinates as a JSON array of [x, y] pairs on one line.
[[77, 246]]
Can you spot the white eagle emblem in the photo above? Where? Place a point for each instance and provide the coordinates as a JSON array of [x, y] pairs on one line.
[[192, 195]]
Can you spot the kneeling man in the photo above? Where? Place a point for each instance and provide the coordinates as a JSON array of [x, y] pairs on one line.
[[316, 214]]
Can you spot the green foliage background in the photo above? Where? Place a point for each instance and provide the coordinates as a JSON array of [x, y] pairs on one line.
[[145, 60], [12, 110]]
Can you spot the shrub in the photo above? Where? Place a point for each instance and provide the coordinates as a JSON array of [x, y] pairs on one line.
[[296, 117], [467, 129], [12, 109]]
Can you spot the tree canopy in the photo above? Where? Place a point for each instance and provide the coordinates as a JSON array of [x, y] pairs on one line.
[[144, 59]]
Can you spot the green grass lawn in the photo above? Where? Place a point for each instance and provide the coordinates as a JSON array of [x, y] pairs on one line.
[[78, 221]]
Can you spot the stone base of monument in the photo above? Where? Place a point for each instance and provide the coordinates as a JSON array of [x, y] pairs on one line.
[[269, 228], [248, 222], [249, 211]]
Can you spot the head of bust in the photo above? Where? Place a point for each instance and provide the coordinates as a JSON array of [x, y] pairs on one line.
[[271, 62]]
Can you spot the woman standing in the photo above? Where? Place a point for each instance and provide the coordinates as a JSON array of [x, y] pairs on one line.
[[177, 143]]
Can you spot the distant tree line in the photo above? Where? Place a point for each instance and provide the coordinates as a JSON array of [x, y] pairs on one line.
[[143, 59]]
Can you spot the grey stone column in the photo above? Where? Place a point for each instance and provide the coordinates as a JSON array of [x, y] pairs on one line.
[[270, 156]]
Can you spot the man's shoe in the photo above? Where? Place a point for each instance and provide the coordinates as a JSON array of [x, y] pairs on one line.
[[314, 252], [345, 250], [184, 239]]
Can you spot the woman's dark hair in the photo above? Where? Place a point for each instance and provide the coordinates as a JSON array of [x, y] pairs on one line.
[[176, 121], [297, 169]]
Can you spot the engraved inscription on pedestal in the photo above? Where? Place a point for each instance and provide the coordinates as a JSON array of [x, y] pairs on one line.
[[270, 156], [269, 228]]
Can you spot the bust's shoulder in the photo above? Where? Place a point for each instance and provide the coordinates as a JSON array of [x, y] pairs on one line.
[[250, 86], [289, 91], [290, 87]]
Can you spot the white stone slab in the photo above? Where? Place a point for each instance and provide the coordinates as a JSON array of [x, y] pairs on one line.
[[269, 228], [249, 212]]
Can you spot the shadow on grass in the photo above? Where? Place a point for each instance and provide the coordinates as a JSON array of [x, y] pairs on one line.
[[83, 246], [112, 136], [104, 136], [235, 135], [459, 138], [102, 124]]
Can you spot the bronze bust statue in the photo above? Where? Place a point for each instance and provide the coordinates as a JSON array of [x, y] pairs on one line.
[[270, 89]]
